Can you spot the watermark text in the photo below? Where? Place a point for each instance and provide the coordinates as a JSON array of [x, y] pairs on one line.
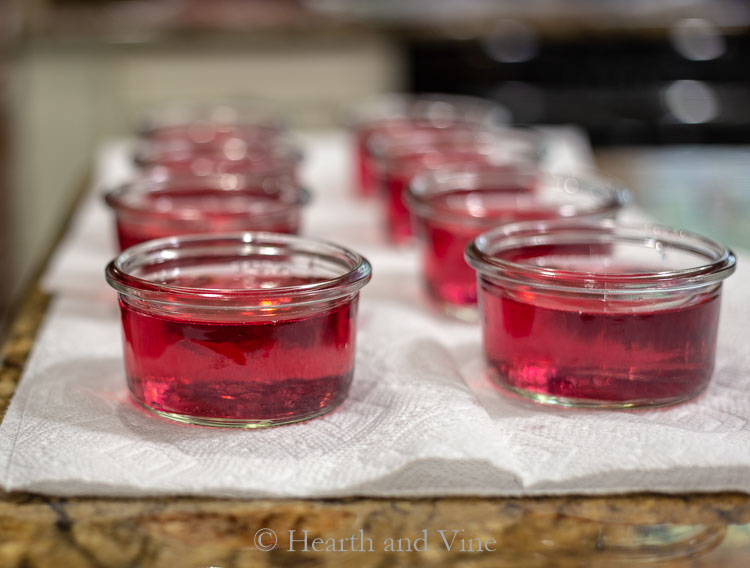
[[451, 540]]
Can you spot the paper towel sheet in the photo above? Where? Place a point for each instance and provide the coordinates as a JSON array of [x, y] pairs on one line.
[[421, 418]]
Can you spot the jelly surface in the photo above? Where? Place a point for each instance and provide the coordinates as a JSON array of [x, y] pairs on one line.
[[601, 349], [279, 367]]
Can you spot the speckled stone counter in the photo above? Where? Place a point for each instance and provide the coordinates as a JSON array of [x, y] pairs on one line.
[[667, 531]]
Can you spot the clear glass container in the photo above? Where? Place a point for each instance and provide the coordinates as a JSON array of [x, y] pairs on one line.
[[399, 115], [398, 161], [593, 314], [150, 208], [451, 207], [242, 330]]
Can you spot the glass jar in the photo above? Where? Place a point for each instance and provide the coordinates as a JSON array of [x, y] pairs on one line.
[[245, 330], [400, 115], [399, 161], [593, 314], [149, 208], [451, 207]]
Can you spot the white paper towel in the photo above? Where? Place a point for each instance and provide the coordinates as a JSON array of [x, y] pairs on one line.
[[420, 420]]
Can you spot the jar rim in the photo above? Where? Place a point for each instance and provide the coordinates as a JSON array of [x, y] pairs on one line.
[[418, 196], [504, 144], [280, 152], [234, 111], [118, 272], [129, 197], [481, 254]]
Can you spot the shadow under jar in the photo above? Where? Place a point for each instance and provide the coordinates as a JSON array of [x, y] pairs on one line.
[[244, 330], [592, 314], [398, 162], [398, 116], [451, 207], [149, 208]]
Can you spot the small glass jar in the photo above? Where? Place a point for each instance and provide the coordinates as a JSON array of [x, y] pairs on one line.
[[398, 161], [233, 155], [592, 314], [451, 207], [400, 115], [240, 329], [211, 123], [150, 208]]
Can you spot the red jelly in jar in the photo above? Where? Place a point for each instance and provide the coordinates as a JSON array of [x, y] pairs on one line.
[[397, 116], [593, 314], [245, 330], [400, 161], [149, 208], [370, 181], [451, 207]]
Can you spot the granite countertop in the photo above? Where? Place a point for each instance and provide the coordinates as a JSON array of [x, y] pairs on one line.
[[679, 530]]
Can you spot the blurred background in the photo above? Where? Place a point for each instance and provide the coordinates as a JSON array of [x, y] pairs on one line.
[[662, 87]]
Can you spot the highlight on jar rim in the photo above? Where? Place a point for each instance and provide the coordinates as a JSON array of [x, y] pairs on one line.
[[497, 146], [242, 330], [597, 314], [233, 153], [439, 109], [514, 191], [199, 120]]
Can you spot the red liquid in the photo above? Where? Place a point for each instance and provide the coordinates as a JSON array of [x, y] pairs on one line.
[[592, 350], [399, 175], [364, 165], [238, 367], [398, 222], [401, 128], [449, 280], [211, 211]]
